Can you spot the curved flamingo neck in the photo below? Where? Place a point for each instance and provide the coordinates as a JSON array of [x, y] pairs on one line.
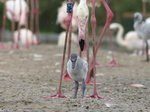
[[119, 36]]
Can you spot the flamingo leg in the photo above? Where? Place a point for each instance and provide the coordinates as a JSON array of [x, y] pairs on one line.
[[17, 45], [27, 42], [32, 18], [83, 87], [59, 94], [109, 18], [76, 89], [93, 22], [68, 22], [66, 75], [113, 62]]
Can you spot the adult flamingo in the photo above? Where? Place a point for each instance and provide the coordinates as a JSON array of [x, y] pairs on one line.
[[143, 30], [26, 37], [15, 11], [131, 41], [68, 23], [61, 19], [82, 15]]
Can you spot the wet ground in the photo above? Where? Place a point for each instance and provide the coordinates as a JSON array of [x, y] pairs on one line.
[[26, 76]]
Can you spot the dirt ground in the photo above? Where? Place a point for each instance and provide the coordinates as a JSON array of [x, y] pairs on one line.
[[26, 76]]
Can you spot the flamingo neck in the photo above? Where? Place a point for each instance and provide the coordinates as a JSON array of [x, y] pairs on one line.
[[119, 36], [136, 25]]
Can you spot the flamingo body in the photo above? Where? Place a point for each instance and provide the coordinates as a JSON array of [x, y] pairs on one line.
[[143, 30], [61, 38], [131, 41], [62, 14], [14, 8], [26, 37]]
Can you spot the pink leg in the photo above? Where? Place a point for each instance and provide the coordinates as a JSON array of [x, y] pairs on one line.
[[91, 66], [27, 42], [144, 8], [58, 93], [109, 18], [113, 62], [17, 46], [32, 17], [66, 75]]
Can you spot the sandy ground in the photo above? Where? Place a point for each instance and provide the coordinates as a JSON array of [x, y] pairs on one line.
[[26, 76]]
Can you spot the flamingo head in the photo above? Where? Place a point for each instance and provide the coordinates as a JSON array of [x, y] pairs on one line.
[[82, 24]]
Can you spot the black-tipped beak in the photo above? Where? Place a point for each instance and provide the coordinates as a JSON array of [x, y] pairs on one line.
[[81, 43]]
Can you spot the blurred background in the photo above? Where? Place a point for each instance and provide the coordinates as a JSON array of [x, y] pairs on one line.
[[123, 11]]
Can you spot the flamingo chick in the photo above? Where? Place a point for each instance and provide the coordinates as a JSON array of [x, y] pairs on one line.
[[82, 19], [143, 30], [26, 37], [77, 69]]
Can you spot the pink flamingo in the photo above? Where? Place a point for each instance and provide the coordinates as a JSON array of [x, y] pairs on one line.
[[68, 23], [82, 14], [26, 37], [15, 11]]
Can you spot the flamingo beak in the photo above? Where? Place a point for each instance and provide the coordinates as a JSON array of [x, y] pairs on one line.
[[82, 43]]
